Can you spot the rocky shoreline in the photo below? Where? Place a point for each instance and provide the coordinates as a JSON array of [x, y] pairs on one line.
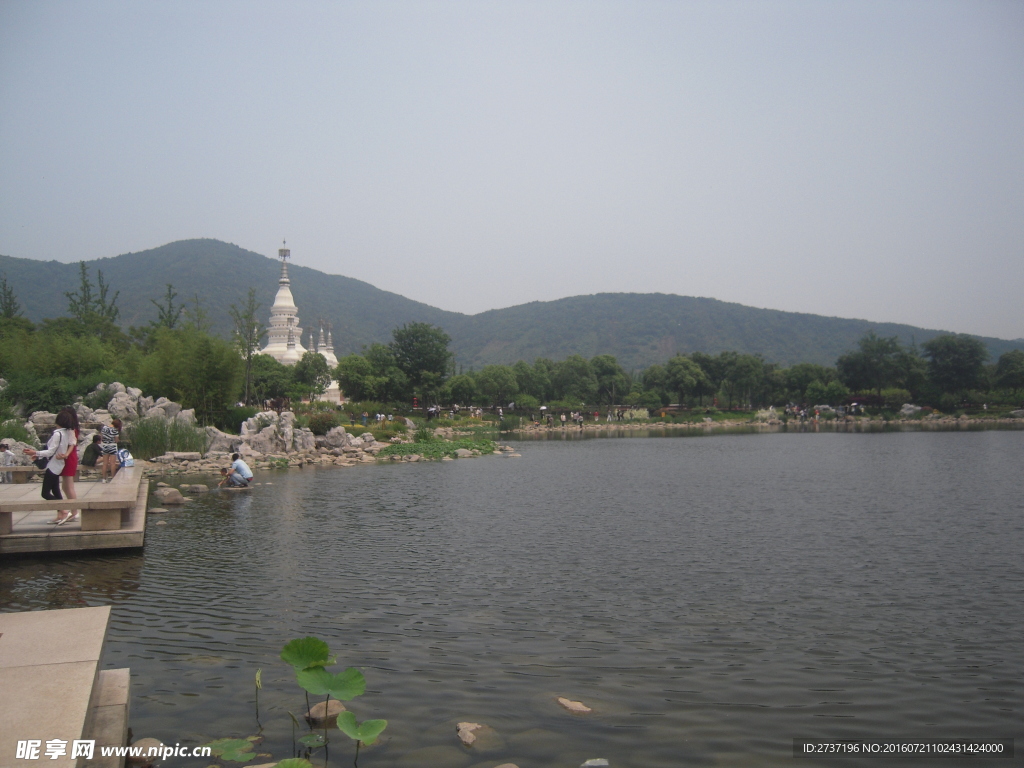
[[932, 420]]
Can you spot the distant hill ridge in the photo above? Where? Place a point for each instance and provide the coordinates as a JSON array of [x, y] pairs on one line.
[[639, 329]]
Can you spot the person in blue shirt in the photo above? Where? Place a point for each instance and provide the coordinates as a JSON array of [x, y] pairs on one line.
[[239, 475]]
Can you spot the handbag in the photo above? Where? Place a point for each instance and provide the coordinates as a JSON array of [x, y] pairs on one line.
[[42, 462]]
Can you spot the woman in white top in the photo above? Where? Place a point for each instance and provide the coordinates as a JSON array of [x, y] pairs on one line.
[[60, 443]]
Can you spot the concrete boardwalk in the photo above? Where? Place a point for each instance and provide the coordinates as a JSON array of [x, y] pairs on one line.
[[111, 515], [52, 690]]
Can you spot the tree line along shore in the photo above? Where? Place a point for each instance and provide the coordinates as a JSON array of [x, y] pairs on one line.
[[224, 382]]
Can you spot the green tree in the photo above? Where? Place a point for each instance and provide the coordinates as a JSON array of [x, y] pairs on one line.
[[956, 362], [497, 383], [90, 303], [462, 389], [874, 365], [683, 376], [353, 374], [167, 313], [532, 380], [573, 379], [312, 375], [248, 333], [391, 384], [613, 383], [421, 352], [198, 370], [270, 379], [799, 376], [9, 305], [1010, 370]]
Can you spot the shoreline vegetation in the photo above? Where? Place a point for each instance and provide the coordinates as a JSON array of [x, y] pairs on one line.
[[449, 443]]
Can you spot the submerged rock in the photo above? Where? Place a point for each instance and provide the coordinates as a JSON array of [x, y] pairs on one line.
[[573, 706], [467, 732]]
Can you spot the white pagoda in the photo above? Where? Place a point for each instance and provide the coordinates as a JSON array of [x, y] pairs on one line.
[[284, 335]]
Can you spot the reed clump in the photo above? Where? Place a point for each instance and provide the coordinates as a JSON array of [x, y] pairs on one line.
[[155, 437]]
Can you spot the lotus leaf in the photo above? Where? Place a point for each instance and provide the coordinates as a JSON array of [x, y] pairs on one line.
[[306, 652], [366, 732], [235, 750], [342, 686], [313, 740], [295, 762]]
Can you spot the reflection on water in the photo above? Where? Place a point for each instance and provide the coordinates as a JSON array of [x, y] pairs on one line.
[[54, 582], [711, 599]]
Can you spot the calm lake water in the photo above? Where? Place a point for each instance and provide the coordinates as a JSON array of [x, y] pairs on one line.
[[710, 597]]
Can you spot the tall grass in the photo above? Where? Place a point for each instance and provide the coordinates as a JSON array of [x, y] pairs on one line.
[[156, 436]]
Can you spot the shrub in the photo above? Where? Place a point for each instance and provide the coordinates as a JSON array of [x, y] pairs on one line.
[[97, 400], [231, 419], [895, 398], [12, 429], [322, 422], [156, 436]]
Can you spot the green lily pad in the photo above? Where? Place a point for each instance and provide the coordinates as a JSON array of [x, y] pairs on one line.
[[307, 652], [235, 750], [313, 740], [342, 686], [366, 732]]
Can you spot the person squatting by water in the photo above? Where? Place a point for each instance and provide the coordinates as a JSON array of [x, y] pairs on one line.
[[238, 476]]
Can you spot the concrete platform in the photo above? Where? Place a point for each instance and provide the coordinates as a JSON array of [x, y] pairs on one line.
[[51, 687], [31, 533]]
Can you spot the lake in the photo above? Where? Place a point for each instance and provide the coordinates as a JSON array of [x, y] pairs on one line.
[[710, 597]]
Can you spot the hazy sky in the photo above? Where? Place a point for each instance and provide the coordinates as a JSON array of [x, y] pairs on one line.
[[857, 159]]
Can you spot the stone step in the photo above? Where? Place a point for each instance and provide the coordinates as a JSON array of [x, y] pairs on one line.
[[48, 671], [107, 723]]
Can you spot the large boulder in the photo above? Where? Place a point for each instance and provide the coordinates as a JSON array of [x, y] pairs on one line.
[[220, 442], [304, 440], [134, 392], [43, 418], [116, 388], [337, 437], [186, 416], [122, 406]]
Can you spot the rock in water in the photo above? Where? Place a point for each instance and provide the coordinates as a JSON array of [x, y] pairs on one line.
[[144, 746], [466, 732], [574, 706], [169, 495], [315, 715]]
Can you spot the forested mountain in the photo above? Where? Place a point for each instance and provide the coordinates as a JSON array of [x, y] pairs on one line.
[[638, 329]]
